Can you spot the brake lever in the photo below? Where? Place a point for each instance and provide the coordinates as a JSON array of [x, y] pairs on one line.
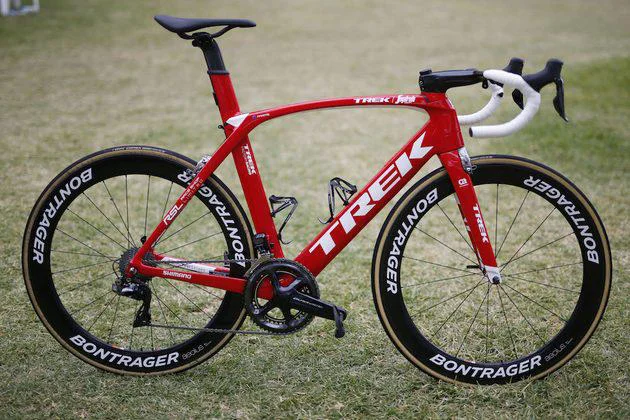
[[515, 66], [517, 96], [558, 101], [551, 73]]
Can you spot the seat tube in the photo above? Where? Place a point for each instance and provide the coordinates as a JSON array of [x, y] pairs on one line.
[[245, 162], [471, 213]]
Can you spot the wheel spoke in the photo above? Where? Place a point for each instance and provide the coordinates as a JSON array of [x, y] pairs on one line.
[[146, 208], [81, 253], [442, 243], [186, 297], [205, 289], [439, 280], [507, 323], [111, 198], [64, 291], [455, 227], [166, 201], [529, 237], [151, 334], [436, 264], [161, 241], [512, 276], [127, 211], [97, 229], [446, 300], [496, 217], [82, 243], [91, 302], [456, 308], [111, 327], [541, 269], [163, 314], [540, 247], [126, 237], [67, 270], [101, 313], [537, 303], [472, 322], [487, 318], [168, 307], [133, 327], [192, 242], [523, 315], [512, 224]]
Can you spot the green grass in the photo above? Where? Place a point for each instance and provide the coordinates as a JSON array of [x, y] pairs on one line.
[[85, 75]]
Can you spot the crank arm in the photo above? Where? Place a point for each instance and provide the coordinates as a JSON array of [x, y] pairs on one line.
[[320, 308]]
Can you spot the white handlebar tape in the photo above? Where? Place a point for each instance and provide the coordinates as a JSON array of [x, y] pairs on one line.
[[486, 111], [532, 102]]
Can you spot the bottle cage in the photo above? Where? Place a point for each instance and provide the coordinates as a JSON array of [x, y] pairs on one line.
[[279, 204], [344, 190]]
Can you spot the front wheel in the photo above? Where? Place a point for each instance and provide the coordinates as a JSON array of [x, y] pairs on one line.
[[450, 322]]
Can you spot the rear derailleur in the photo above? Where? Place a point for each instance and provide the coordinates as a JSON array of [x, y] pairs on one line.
[[135, 287], [138, 291]]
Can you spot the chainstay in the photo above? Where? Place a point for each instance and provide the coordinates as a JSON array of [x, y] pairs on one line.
[[214, 330], [253, 261]]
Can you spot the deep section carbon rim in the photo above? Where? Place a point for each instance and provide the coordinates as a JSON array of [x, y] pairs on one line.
[[554, 264], [89, 224]]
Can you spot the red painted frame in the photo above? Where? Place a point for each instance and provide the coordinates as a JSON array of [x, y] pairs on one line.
[[440, 136]]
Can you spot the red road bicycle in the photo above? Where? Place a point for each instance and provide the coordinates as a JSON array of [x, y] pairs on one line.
[[465, 298]]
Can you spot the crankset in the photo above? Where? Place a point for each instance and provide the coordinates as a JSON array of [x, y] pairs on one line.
[[295, 301]]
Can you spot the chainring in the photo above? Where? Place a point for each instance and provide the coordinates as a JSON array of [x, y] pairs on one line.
[[274, 315]]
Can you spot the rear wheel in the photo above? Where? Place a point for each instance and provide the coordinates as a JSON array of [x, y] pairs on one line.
[[555, 264], [86, 226]]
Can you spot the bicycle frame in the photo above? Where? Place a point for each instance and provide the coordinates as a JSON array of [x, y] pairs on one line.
[[440, 136]]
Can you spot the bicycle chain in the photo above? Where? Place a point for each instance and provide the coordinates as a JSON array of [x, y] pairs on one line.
[[254, 262]]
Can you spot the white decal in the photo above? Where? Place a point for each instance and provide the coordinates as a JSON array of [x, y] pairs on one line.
[[570, 209], [375, 193], [177, 274], [486, 372], [51, 209], [402, 99], [482, 227], [380, 100], [172, 213], [222, 212], [249, 161], [393, 260], [111, 356]]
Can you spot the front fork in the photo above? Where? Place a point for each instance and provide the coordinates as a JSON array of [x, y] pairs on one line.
[[458, 166]]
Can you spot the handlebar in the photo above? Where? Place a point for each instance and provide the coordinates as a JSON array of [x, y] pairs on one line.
[[527, 85], [531, 106], [514, 66], [486, 111]]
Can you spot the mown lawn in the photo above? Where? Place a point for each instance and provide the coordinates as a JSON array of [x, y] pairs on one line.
[[84, 75]]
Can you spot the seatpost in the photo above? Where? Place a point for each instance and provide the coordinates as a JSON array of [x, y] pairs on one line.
[[211, 53], [225, 98]]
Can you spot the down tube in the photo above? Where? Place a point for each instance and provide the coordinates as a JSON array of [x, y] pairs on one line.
[[368, 202]]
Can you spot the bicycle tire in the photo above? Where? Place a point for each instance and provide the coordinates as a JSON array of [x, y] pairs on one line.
[[438, 351], [65, 204]]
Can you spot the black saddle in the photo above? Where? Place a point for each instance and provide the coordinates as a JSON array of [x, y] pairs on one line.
[[184, 25]]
